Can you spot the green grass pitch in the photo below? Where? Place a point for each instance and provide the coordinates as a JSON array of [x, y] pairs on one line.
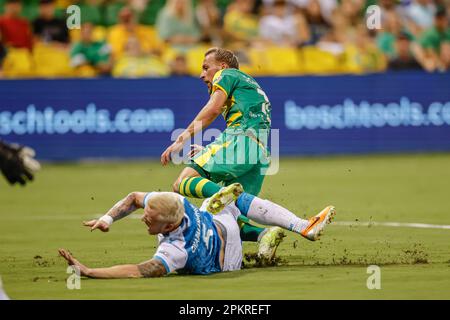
[[415, 263]]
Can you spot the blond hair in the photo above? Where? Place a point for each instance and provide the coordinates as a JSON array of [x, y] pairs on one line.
[[224, 55], [168, 205]]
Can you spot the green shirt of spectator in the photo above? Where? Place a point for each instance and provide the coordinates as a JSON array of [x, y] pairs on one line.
[[386, 42], [433, 38], [92, 53]]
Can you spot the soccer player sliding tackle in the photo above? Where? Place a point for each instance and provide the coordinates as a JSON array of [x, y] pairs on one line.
[[193, 240], [247, 112]]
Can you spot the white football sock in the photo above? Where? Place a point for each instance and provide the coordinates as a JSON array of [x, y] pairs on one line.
[[268, 213]]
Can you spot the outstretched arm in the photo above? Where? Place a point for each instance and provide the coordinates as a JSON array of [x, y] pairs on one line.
[[204, 118], [148, 269], [121, 209]]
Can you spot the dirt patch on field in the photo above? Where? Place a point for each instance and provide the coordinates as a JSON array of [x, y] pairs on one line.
[[253, 260], [39, 261], [414, 254]]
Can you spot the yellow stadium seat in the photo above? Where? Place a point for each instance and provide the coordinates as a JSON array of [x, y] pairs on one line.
[[316, 61], [51, 61], [351, 60], [85, 71], [99, 33], [258, 63], [18, 63], [194, 59], [359, 61], [168, 55], [282, 61], [149, 41]]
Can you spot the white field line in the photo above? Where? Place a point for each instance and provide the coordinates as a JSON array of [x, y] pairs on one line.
[[391, 224], [335, 223], [371, 223]]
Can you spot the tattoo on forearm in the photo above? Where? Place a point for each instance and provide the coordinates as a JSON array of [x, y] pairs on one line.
[[123, 208], [151, 269]]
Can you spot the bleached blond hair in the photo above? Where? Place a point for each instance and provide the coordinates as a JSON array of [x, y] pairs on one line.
[[168, 205]]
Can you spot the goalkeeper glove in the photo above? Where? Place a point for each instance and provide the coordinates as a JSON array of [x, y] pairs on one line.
[[17, 163]]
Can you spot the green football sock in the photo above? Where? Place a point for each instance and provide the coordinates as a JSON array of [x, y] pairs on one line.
[[249, 232], [198, 187]]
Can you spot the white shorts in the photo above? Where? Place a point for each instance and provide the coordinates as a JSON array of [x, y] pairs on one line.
[[233, 244]]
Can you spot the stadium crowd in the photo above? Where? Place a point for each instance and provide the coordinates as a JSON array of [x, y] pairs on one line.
[[159, 38]]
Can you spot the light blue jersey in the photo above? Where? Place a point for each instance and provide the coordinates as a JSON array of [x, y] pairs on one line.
[[193, 247]]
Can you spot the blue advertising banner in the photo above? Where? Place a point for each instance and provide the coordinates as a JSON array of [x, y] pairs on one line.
[[118, 118]]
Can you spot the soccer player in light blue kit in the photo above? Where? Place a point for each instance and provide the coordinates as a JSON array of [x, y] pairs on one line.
[[193, 240]]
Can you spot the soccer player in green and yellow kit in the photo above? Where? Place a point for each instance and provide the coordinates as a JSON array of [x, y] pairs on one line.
[[240, 153]]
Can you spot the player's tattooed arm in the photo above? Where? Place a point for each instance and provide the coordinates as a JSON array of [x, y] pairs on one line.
[[152, 269], [121, 209], [127, 205]]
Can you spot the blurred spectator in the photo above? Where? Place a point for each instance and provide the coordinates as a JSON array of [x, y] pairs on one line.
[[136, 62], [177, 26], [368, 57], [128, 28], [392, 29], [412, 31], [403, 57], [208, 17], [387, 6], [47, 28], [391, 10], [421, 13], [146, 11], [352, 10], [15, 30], [322, 8], [90, 56], [240, 24], [339, 35], [179, 67], [394, 39], [319, 14], [282, 27], [433, 52]]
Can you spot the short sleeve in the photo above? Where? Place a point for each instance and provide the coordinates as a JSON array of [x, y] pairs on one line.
[[172, 254], [224, 80]]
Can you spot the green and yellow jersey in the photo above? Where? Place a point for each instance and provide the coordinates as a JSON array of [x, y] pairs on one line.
[[247, 106], [240, 153]]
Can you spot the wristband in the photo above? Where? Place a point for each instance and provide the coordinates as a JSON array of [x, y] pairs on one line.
[[107, 219]]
